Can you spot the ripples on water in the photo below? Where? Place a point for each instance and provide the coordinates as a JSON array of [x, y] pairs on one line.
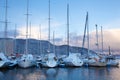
[[83, 73]]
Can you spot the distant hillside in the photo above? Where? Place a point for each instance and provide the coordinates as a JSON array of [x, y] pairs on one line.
[[34, 47], [9, 45]]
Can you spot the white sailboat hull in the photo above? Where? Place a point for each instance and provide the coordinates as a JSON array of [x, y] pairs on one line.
[[4, 64], [13, 63], [49, 60], [26, 63], [73, 60], [97, 64], [78, 63], [74, 63], [112, 63], [49, 64]]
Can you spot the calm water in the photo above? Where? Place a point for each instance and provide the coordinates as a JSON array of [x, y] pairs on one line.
[[82, 73]]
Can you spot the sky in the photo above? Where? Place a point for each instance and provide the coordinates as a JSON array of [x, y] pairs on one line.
[[105, 13]]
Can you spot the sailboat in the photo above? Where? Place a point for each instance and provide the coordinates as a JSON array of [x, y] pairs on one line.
[[27, 60], [49, 60], [111, 60], [72, 59], [91, 58], [99, 60], [39, 57], [13, 59], [4, 62]]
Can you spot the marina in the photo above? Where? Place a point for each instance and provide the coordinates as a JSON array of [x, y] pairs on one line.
[[30, 52]]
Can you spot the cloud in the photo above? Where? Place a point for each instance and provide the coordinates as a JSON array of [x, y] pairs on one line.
[[74, 39], [35, 32], [110, 38], [10, 34]]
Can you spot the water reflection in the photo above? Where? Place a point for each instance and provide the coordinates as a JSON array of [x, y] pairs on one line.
[[62, 74], [51, 73], [24, 74], [82, 73], [2, 77]]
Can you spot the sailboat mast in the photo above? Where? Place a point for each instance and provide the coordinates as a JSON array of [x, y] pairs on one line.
[[14, 49], [97, 38], [27, 15], [68, 29], [40, 49], [102, 38], [30, 30], [6, 21], [87, 31], [6, 24], [49, 25], [54, 42], [86, 23], [109, 51]]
